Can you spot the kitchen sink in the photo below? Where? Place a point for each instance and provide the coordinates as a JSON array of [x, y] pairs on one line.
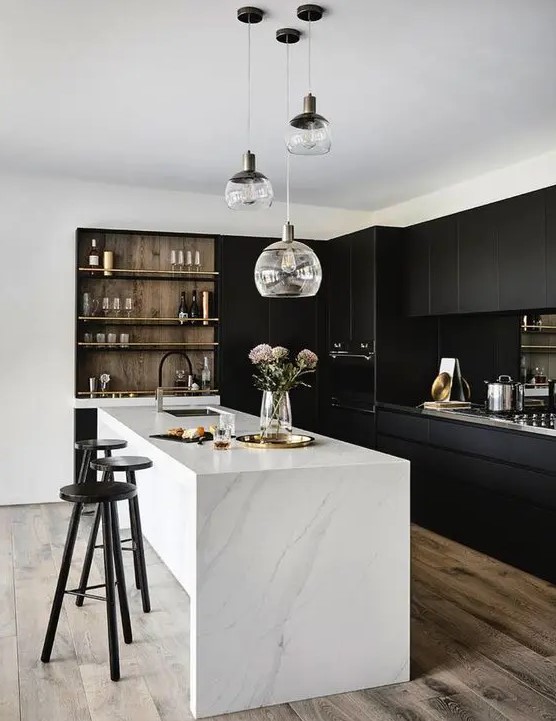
[[191, 411]]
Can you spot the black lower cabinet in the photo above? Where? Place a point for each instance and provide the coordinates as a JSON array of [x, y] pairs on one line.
[[84, 427], [504, 509], [350, 426]]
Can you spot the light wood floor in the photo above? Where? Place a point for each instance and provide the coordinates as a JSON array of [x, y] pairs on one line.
[[483, 641]]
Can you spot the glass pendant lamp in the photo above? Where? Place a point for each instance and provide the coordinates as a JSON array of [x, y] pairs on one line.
[[309, 133], [249, 189], [288, 268]]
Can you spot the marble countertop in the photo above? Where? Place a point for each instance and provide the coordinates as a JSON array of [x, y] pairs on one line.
[[148, 401], [204, 460]]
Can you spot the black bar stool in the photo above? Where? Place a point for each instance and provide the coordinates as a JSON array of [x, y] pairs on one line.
[[106, 494], [127, 465], [92, 445]]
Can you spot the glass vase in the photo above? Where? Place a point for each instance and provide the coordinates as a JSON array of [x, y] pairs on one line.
[[276, 415]]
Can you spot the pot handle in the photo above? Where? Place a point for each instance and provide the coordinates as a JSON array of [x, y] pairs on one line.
[[504, 379]]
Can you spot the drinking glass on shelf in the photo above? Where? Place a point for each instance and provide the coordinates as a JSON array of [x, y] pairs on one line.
[[106, 305], [188, 260], [197, 260], [173, 260], [222, 439], [124, 340], [128, 305], [116, 306], [180, 260], [540, 375], [112, 337], [87, 337], [101, 338]]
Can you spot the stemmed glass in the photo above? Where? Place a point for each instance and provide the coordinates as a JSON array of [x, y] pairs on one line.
[[116, 306], [106, 305], [180, 260], [189, 260], [197, 260], [173, 260], [128, 303]]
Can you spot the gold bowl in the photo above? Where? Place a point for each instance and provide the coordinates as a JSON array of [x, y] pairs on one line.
[[254, 440]]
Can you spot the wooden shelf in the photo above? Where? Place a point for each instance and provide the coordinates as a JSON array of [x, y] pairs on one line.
[[112, 320], [538, 348], [117, 346], [539, 329], [169, 392], [149, 274]]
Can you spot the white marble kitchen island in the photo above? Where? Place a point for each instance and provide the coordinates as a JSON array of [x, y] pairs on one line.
[[296, 562]]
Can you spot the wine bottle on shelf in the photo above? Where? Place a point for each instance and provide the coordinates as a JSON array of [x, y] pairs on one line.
[[182, 309], [194, 311], [205, 375], [94, 256]]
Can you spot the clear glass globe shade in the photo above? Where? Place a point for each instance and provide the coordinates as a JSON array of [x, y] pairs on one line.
[[249, 190], [308, 134], [288, 269]]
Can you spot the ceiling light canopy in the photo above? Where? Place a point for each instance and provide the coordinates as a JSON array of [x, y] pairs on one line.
[[249, 189], [309, 133]]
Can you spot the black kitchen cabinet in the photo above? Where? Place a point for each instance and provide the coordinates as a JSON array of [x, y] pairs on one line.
[[443, 249], [477, 260], [491, 489], [521, 228], [363, 285], [337, 270], [417, 270], [246, 315], [550, 201], [251, 319], [350, 426], [351, 287]]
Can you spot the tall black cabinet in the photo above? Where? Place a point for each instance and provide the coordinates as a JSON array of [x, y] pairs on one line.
[[252, 319]]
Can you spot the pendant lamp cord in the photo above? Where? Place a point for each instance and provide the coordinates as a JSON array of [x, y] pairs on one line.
[[309, 51], [249, 85], [287, 121]]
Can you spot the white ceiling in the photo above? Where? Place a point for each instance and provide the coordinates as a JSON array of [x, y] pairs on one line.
[[420, 93]]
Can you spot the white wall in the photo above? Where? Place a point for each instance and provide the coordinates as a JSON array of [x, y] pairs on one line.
[[38, 219]]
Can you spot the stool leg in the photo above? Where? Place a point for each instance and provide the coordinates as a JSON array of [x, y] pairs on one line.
[[85, 460], [88, 557], [110, 476], [130, 478], [120, 575], [110, 592], [143, 583], [61, 585]]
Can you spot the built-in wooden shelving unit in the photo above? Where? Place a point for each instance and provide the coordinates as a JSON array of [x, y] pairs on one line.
[[142, 272]]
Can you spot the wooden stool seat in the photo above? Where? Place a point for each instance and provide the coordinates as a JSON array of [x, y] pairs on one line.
[[98, 492], [100, 444], [122, 463]]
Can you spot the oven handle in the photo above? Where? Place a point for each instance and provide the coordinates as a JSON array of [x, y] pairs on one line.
[[347, 354]]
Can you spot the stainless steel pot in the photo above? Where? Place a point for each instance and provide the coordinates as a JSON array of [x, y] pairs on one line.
[[504, 395]]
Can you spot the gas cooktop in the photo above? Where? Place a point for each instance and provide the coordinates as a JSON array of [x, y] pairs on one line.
[[538, 418]]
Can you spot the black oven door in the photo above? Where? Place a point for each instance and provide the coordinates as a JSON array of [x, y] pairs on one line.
[[352, 378]]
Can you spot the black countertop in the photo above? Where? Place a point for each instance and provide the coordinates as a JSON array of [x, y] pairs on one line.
[[459, 416]]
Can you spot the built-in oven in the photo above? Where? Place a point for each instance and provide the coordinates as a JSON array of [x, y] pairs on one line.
[[352, 376]]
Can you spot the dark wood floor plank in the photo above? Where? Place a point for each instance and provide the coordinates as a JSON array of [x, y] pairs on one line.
[[526, 665], [531, 630], [432, 647], [463, 707]]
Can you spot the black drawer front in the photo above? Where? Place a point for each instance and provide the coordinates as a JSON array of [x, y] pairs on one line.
[[403, 425]]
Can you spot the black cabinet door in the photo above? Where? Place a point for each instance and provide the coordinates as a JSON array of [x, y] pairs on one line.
[[338, 272], [293, 323], [443, 244], [363, 285], [246, 315], [521, 226], [550, 201], [478, 260], [417, 271], [350, 426]]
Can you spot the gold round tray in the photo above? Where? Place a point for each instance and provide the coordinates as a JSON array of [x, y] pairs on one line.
[[253, 440]]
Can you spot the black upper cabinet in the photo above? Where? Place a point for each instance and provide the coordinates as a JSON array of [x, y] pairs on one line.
[[443, 248], [550, 198], [417, 270], [521, 227], [351, 287], [478, 260], [338, 274], [362, 286]]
